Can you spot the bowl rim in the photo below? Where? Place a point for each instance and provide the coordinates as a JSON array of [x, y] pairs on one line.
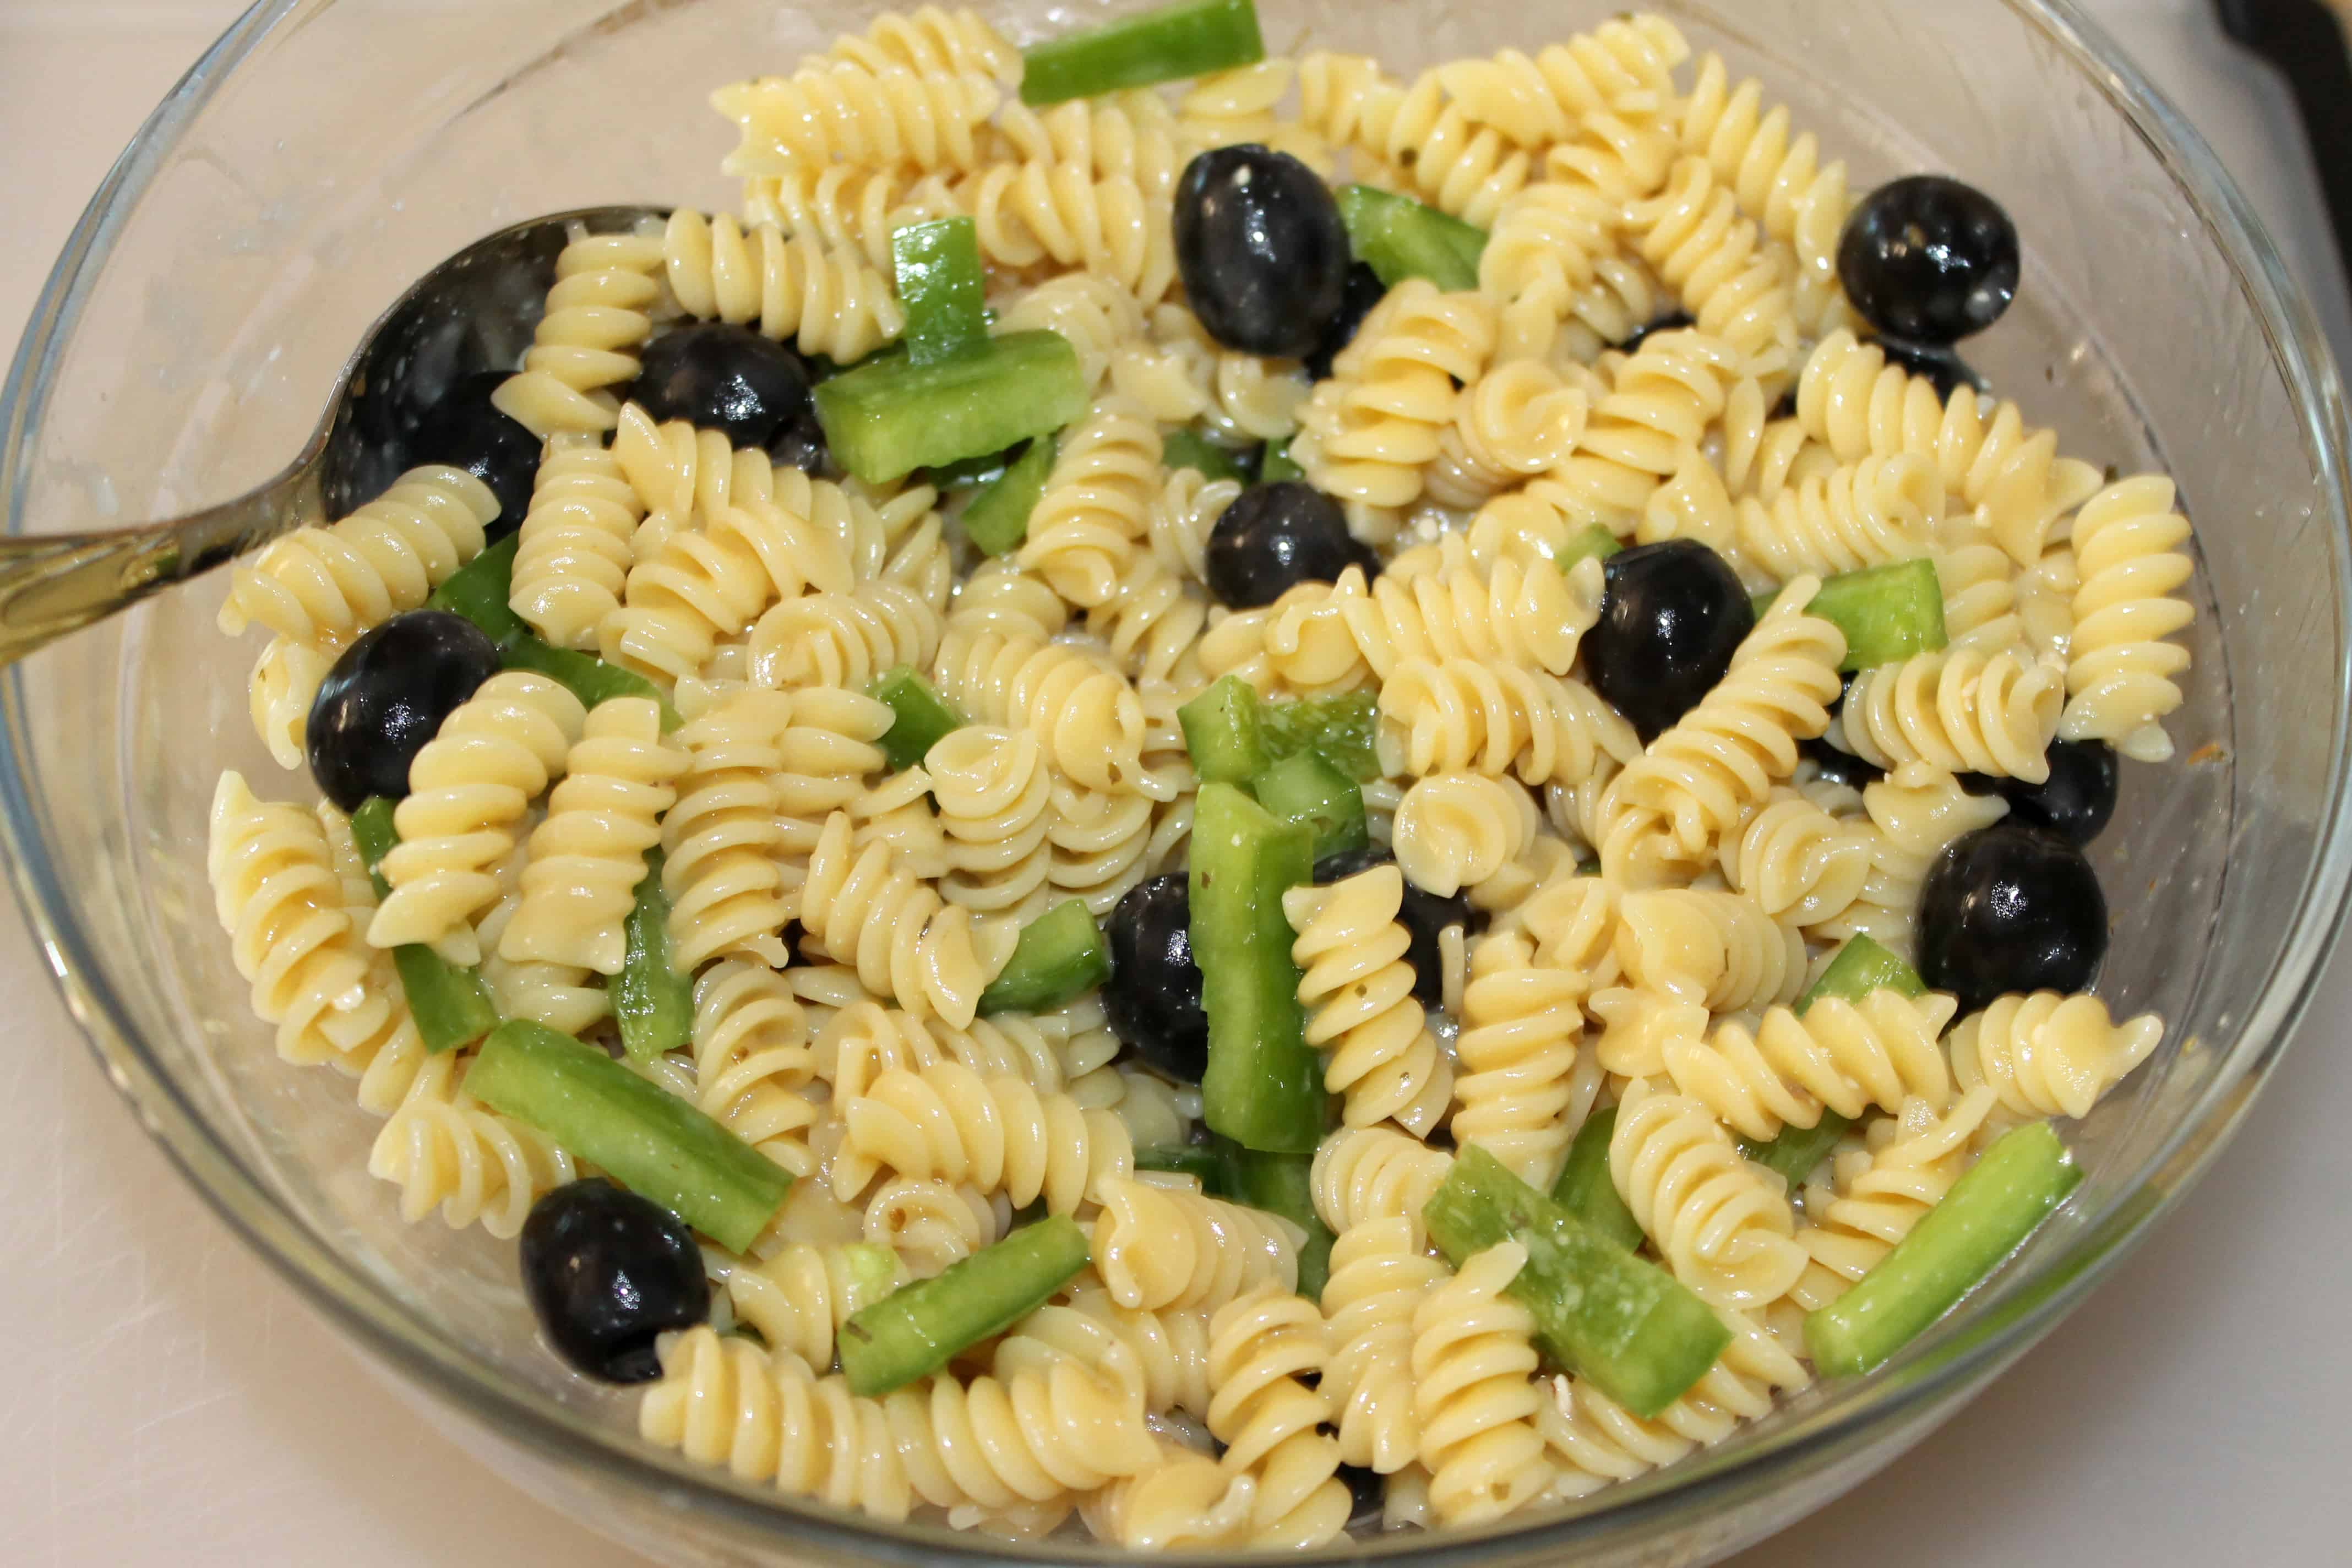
[[1931, 1376]]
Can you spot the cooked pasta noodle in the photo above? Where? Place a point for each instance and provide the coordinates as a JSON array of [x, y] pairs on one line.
[[993, 1134], [927, 955], [2047, 1055], [1957, 709], [1262, 1348], [1723, 1225], [1159, 1247], [789, 285], [2120, 675], [1848, 1055], [596, 320], [1883, 1191], [1358, 990], [1525, 1087], [1473, 1392]]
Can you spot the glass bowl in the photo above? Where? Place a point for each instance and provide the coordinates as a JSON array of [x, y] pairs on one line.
[[326, 151]]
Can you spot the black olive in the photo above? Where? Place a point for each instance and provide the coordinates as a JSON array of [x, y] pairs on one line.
[[2074, 802], [720, 376], [387, 696], [1943, 367], [1261, 248], [1928, 259], [1672, 616], [1275, 537], [1367, 1494], [1673, 321], [1840, 767], [1153, 997], [2011, 908], [1364, 290], [1423, 917], [799, 444], [467, 431], [607, 1273]]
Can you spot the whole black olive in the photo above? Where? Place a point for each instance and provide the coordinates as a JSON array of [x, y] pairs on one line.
[[386, 695], [1673, 616], [1364, 290], [1153, 997], [1928, 259], [720, 376], [2075, 801], [2009, 909], [1423, 917], [1274, 537], [607, 1273], [1261, 248]]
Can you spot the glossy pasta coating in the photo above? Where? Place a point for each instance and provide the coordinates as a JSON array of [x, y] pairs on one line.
[[991, 1133], [1881, 1052], [788, 286], [1090, 522], [865, 1040], [1130, 133], [1097, 316], [1262, 1348], [1518, 420], [577, 543], [843, 639], [2047, 1055], [882, 116], [801, 1297], [931, 41], [321, 586], [1660, 401], [468, 788], [1085, 714], [1693, 234], [588, 856], [567, 997], [720, 840], [1865, 513], [824, 755], [445, 1150], [1164, 1246], [848, 208], [1462, 714], [1537, 101], [390, 1061], [1910, 816], [1910, 1162], [1473, 1392], [1723, 1225], [597, 317], [1780, 180], [1185, 1500], [1958, 709], [1457, 830], [279, 694], [927, 956], [1798, 863], [2121, 676], [930, 1225], [1427, 142], [992, 787], [1358, 990], [1033, 212]]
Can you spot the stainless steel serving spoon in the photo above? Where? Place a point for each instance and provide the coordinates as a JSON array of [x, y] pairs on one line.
[[476, 312]]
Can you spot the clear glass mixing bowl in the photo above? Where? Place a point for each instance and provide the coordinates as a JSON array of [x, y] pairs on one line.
[[328, 150]]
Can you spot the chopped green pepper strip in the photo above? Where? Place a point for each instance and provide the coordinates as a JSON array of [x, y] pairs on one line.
[[921, 717], [1060, 954], [652, 1002], [890, 416], [1399, 238], [1191, 449], [1303, 787], [1190, 38], [941, 284], [916, 1329], [1264, 1086], [1586, 1189], [1277, 464], [996, 520]]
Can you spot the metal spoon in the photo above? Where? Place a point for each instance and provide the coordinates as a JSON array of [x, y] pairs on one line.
[[474, 312]]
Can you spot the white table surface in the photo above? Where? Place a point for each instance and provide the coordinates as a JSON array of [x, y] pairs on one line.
[[168, 1401]]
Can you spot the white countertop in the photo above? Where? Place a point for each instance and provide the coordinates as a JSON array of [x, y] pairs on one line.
[[170, 1401]]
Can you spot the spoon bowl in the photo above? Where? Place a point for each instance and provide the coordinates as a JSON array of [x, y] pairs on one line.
[[474, 312]]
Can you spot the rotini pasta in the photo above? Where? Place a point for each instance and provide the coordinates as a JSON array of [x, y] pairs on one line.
[[879, 116], [1261, 1348], [1473, 1392], [786, 286], [1723, 1226], [578, 541], [1525, 1087], [2047, 1055], [1463, 714], [1366, 1173], [947, 1122], [1866, 513], [1848, 1055], [1358, 990], [1457, 830], [1380, 1275], [801, 1297], [927, 955], [2120, 675], [1085, 531], [1798, 864], [1085, 715], [1911, 815], [444, 1150], [720, 840], [1719, 948], [753, 1062], [597, 318], [1911, 1161], [1158, 1247], [1028, 213], [1957, 709]]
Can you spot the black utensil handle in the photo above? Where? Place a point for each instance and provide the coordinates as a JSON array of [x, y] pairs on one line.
[[2304, 39]]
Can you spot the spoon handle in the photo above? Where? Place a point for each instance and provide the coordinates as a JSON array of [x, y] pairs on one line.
[[52, 583]]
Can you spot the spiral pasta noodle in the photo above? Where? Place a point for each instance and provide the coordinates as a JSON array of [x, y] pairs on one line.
[[1518, 420], [1800, 865], [1660, 401], [931, 41], [1131, 133], [1537, 101], [848, 208], [1472, 1367], [1001, 598], [2120, 675], [1524, 1087], [1847, 1056], [1431, 145], [323, 586], [578, 541], [927, 956], [1958, 709], [930, 1225], [721, 839], [1380, 1275], [1694, 782], [1152, 619], [1912, 1160], [1098, 846], [1463, 714], [947, 1122], [1723, 1226], [1719, 948], [1261, 1348], [1910, 816], [752, 1060], [566, 997], [1455, 830], [1851, 398], [1088, 717], [1084, 533], [1367, 433], [2047, 1055], [993, 789], [1358, 990], [1593, 1440], [842, 640], [824, 757], [1365, 1174], [801, 1297], [1185, 1500], [788, 286], [468, 788], [1865, 513], [1027, 212], [1158, 1247], [1694, 235], [1530, 615], [444, 1150], [277, 897], [1097, 316], [1230, 107], [1544, 250], [598, 315], [865, 1040], [881, 117]]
